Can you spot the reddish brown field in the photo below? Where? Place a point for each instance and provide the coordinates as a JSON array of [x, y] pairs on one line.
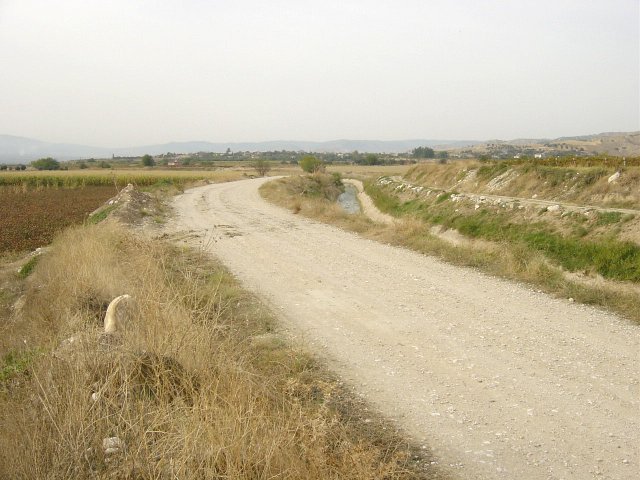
[[31, 219]]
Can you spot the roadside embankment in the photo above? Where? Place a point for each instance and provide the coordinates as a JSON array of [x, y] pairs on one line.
[[196, 381]]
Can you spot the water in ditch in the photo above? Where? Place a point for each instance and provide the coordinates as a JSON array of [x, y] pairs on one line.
[[348, 200]]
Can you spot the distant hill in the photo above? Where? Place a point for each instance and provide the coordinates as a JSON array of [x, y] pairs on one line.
[[23, 150]]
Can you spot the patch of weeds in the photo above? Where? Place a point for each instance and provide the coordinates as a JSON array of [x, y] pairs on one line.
[[579, 231], [607, 218], [28, 267], [386, 203], [320, 185], [15, 364], [592, 176], [101, 215], [411, 207], [493, 170], [443, 197], [165, 182]]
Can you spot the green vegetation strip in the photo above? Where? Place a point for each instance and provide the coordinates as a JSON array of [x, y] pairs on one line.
[[84, 180], [28, 267], [610, 258]]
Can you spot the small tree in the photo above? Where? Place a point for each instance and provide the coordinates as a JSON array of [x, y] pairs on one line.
[[147, 161], [46, 164], [371, 159], [311, 164], [262, 166], [423, 152], [443, 155]]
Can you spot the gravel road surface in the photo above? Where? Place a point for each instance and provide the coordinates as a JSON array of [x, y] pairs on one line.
[[498, 380]]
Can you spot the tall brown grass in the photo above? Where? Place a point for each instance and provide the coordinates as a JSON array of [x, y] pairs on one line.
[[195, 387]]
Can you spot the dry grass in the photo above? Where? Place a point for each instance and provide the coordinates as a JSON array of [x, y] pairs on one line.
[[313, 196], [563, 182], [196, 387], [369, 170]]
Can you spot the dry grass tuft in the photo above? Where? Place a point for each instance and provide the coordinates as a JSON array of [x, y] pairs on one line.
[[193, 388]]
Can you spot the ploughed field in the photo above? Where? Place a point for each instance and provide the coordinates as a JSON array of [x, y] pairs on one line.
[[35, 205], [30, 218]]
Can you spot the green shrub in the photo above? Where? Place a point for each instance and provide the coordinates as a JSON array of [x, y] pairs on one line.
[[28, 267], [311, 164], [101, 215]]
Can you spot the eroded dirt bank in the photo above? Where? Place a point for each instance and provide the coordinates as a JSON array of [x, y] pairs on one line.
[[498, 380]]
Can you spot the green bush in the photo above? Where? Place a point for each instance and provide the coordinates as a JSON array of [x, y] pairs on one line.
[[311, 164], [46, 164]]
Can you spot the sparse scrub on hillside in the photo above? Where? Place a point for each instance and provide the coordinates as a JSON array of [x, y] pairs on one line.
[[197, 385], [563, 180]]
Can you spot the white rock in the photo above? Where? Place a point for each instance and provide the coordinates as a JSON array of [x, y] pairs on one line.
[[117, 314], [554, 208], [112, 445], [68, 341], [613, 178]]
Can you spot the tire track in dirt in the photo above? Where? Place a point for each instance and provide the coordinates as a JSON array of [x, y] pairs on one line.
[[499, 381]]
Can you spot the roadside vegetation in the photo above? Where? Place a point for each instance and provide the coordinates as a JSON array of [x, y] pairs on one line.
[[314, 196], [591, 257], [198, 385]]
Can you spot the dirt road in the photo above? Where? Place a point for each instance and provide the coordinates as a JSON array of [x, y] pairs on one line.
[[498, 380]]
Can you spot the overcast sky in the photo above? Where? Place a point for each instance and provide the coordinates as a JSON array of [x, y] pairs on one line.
[[123, 73]]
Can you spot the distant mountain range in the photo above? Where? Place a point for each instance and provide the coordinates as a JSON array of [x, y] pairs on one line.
[[23, 150]]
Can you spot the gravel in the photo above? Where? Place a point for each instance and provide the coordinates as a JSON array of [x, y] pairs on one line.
[[498, 380]]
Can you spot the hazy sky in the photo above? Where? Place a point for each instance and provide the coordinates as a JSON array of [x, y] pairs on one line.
[[121, 73]]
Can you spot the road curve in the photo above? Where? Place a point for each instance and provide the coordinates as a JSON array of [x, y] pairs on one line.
[[498, 380]]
